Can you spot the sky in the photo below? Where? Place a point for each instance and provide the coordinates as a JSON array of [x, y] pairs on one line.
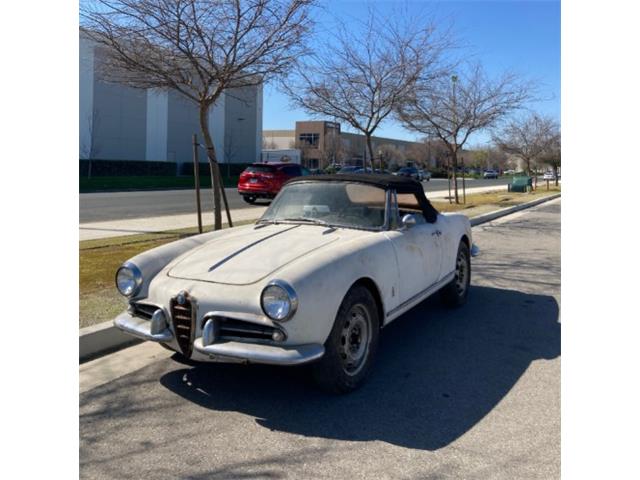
[[518, 36]]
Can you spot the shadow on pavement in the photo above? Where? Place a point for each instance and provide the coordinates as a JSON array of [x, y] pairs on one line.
[[438, 373]]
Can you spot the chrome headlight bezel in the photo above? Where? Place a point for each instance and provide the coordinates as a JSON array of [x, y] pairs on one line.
[[288, 292], [136, 275]]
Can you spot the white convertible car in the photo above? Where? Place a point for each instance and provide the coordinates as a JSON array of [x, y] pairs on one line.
[[332, 261]]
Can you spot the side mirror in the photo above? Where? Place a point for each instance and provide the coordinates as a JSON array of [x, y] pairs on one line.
[[409, 220]]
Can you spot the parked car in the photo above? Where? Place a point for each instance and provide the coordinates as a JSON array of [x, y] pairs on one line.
[[332, 260], [349, 169], [333, 168], [509, 172], [549, 175], [425, 174], [490, 174], [411, 172], [264, 180]]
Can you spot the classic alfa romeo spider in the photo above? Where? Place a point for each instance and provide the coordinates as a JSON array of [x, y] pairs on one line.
[[333, 260]]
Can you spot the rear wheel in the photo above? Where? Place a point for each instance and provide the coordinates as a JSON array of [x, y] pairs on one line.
[[352, 344], [249, 199], [455, 292]]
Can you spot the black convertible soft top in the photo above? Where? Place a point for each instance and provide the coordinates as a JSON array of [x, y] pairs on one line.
[[389, 182]]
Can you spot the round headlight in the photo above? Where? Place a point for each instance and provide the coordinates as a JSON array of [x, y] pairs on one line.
[[279, 301], [128, 279]]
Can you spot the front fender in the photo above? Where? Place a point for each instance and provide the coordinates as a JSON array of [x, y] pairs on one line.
[[323, 280]]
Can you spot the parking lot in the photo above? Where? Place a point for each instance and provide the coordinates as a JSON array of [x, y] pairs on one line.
[[466, 393]]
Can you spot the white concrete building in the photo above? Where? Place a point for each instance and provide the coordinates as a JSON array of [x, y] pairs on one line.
[[122, 123]]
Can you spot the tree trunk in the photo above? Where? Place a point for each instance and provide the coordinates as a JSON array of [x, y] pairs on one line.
[[213, 166], [370, 150], [454, 164], [555, 173]]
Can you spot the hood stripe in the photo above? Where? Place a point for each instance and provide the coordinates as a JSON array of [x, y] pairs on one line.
[[247, 247]]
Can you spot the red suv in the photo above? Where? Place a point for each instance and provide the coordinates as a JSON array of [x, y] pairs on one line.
[[264, 180]]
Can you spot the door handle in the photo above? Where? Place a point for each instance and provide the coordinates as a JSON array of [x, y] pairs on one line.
[[437, 232]]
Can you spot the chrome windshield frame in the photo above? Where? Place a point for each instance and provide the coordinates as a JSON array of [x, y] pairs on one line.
[[383, 227]]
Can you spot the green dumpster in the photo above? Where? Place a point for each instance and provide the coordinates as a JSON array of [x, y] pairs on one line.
[[521, 184]]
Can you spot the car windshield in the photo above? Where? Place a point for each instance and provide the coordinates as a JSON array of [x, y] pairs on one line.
[[337, 204]]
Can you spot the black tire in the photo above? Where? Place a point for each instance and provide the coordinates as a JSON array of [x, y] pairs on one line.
[[337, 371], [249, 199], [455, 292]]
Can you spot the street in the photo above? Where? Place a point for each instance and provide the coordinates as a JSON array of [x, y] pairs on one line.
[[466, 393], [96, 207]]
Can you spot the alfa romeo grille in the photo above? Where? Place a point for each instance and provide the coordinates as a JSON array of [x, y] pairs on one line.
[[232, 329], [142, 310], [183, 316]]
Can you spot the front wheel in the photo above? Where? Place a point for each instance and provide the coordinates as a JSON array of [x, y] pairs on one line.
[[455, 292], [352, 343]]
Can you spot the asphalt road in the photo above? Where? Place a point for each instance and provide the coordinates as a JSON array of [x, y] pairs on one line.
[[466, 393], [97, 207]]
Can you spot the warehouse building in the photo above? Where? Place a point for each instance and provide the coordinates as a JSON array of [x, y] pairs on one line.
[[122, 123], [323, 143]]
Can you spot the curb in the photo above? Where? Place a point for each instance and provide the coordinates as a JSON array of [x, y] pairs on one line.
[[104, 338], [101, 339], [487, 217]]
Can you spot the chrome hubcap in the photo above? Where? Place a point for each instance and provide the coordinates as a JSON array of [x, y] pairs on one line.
[[462, 273], [354, 339]]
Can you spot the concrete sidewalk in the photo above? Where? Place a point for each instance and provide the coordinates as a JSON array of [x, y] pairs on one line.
[[135, 226]]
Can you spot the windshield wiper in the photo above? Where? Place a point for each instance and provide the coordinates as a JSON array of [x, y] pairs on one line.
[[316, 221]]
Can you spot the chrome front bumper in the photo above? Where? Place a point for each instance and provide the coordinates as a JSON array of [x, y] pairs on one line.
[[257, 353], [141, 328], [220, 351]]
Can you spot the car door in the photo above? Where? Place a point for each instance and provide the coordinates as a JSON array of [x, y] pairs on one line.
[[418, 251]]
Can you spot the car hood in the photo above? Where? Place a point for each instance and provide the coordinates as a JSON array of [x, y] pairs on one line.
[[249, 255]]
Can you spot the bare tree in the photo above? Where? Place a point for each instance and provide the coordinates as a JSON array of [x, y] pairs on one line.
[[529, 138], [361, 74], [198, 48], [487, 157], [390, 154], [551, 156], [426, 152], [453, 109], [270, 144]]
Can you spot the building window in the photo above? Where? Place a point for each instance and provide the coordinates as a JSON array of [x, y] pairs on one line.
[[309, 139]]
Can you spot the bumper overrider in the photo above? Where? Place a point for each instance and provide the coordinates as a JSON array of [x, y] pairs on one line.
[[157, 329]]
